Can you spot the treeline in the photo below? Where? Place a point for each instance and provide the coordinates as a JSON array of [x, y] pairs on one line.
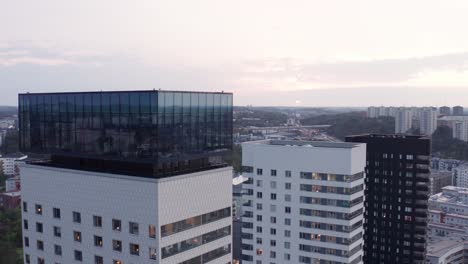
[[445, 146], [265, 118], [353, 123], [11, 241]]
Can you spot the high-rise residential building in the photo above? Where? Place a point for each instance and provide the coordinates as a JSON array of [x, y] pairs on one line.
[[448, 212], [438, 180], [458, 111], [403, 120], [304, 202], [427, 120], [444, 110], [374, 112], [458, 124], [460, 176], [132, 177], [397, 175]]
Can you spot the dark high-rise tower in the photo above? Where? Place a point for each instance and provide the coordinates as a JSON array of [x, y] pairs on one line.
[[458, 110], [396, 195]]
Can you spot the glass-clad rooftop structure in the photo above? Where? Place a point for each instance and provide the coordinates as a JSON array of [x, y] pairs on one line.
[[141, 132]]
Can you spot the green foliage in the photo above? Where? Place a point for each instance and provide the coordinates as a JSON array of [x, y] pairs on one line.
[[444, 146], [11, 144], [235, 158], [353, 123], [11, 238]]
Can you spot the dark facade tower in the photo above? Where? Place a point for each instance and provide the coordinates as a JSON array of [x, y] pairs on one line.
[[396, 196], [458, 111]]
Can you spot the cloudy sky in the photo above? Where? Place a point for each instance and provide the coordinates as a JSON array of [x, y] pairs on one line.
[[307, 53]]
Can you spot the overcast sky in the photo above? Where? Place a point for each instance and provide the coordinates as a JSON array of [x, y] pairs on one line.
[[306, 53]]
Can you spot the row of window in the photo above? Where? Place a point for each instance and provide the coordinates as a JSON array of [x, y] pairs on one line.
[[209, 256], [116, 224], [310, 175], [77, 255], [98, 242], [331, 202], [195, 221], [330, 227], [194, 242]]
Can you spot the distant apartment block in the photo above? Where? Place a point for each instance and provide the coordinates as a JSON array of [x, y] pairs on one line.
[[8, 164], [458, 111], [427, 120], [444, 164], [379, 111], [397, 177], [460, 176], [403, 120], [304, 202], [458, 124], [438, 180], [447, 249], [133, 177], [444, 110], [448, 212]]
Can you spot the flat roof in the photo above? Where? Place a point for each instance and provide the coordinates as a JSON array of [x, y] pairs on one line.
[[306, 144], [440, 246], [125, 91]]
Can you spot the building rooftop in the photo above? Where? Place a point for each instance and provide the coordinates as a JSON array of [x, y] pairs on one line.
[[306, 144], [439, 246], [451, 194]]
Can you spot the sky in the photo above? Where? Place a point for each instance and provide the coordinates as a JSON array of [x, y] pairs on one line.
[[267, 52]]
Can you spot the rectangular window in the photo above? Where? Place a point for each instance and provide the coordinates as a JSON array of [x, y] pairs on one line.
[[273, 196], [116, 225], [26, 241], [28, 259], [40, 245], [134, 249], [25, 224], [133, 228], [77, 236], [56, 212], [152, 231], [273, 173], [39, 227], [38, 209], [259, 172], [25, 207], [287, 186], [287, 174], [58, 250], [40, 260], [152, 253], [57, 231], [76, 217], [98, 241], [117, 245], [97, 221], [78, 255], [98, 260]]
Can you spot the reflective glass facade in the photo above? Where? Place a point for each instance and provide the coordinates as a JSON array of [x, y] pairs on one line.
[[156, 127]]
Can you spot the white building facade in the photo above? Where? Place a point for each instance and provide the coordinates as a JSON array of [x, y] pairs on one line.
[[460, 176], [403, 120], [304, 203], [448, 212], [73, 216], [427, 120]]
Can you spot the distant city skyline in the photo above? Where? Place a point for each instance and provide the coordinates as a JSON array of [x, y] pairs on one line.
[[299, 53]]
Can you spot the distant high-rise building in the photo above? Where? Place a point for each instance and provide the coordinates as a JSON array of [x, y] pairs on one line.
[[460, 176], [397, 176], [458, 111], [458, 124], [133, 177], [403, 120], [444, 110], [438, 180], [304, 202], [427, 120]]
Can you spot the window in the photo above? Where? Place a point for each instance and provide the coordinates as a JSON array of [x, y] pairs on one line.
[[287, 233], [98, 260], [116, 225], [133, 228], [259, 172], [287, 186], [259, 206], [78, 255], [56, 212], [273, 243], [287, 209], [77, 236], [97, 221], [39, 227], [25, 207], [40, 245], [259, 195], [27, 258], [287, 245], [40, 261], [58, 250], [259, 229], [272, 231], [98, 241], [273, 196], [273, 173], [25, 224], [26, 241], [57, 231], [259, 240], [287, 221], [152, 231], [117, 262], [273, 184], [259, 218], [134, 249], [76, 217], [273, 220], [117, 245], [152, 253], [272, 208], [38, 209], [287, 197], [287, 174]]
